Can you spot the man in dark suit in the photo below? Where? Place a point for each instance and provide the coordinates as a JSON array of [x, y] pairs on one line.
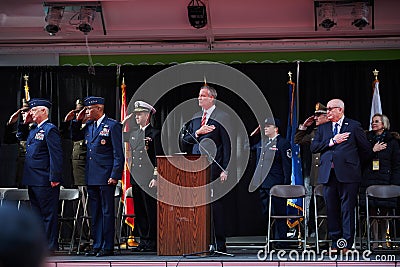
[[340, 143], [208, 133], [104, 165], [145, 139], [277, 150], [43, 166]]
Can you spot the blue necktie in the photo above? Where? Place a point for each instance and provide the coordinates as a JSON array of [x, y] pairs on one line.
[[335, 130]]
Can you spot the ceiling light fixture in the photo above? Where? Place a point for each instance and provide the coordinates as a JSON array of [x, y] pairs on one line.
[[327, 13], [86, 17], [360, 14], [197, 13], [53, 18]]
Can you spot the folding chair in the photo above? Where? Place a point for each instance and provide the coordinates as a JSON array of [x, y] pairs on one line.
[[69, 195], [381, 192], [2, 190], [319, 218], [16, 195], [286, 192], [128, 195]]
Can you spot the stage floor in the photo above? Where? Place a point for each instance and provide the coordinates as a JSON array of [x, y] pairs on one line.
[[247, 251], [242, 257]]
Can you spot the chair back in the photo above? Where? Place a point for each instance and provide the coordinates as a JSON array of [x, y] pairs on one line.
[[69, 194], [16, 195], [319, 190], [118, 189], [383, 191], [128, 193], [288, 191]]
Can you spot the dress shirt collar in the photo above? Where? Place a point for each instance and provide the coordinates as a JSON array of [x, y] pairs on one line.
[[144, 127], [98, 122], [40, 124]]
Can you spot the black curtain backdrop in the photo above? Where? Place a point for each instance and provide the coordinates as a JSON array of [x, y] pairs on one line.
[[318, 82]]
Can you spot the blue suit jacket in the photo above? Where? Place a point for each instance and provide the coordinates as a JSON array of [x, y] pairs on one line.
[[105, 157], [217, 142], [44, 156], [345, 156]]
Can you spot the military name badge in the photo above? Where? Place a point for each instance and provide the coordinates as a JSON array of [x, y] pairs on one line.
[[39, 135], [375, 165], [103, 141], [273, 148]]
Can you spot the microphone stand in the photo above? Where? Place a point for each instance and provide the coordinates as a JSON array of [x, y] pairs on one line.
[[211, 250]]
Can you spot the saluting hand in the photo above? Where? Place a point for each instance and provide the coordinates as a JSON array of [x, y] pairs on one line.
[[309, 121], [70, 115], [14, 117], [81, 114], [126, 118]]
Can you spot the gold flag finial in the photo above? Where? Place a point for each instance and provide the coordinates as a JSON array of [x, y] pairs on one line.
[[205, 81], [375, 72], [290, 75], [27, 96]]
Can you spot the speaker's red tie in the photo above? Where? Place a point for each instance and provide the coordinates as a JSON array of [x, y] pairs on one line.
[[203, 119]]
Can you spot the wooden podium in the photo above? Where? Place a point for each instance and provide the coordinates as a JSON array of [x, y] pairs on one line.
[[182, 228]]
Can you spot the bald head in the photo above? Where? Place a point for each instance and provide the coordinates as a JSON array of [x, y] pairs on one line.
[[335, 109]]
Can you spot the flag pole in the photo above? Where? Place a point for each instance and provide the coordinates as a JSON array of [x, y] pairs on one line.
[[297, 91], [376, 106]]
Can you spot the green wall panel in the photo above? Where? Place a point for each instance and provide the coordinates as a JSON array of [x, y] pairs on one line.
[[259, 57]]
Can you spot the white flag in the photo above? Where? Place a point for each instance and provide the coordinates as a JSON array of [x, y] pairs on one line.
[[376, 106]]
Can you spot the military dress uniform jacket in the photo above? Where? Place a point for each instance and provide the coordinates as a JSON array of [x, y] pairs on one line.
[[105, 157], [43, 162], [303, 137], [280, 153], [145, 146]]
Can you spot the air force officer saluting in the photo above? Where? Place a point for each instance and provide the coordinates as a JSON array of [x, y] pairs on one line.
[[104, 165]]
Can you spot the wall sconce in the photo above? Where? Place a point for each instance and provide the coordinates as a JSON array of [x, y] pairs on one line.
[[53, 18], [197, 13]]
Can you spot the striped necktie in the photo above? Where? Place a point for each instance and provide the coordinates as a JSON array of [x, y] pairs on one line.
[[203, 119]]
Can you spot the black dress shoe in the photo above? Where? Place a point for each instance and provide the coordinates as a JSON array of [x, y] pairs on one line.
[[105, 252], [92, 252], [221, 249], [139, 248]]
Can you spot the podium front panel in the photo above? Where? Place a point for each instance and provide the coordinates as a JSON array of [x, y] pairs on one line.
[[182, 228]]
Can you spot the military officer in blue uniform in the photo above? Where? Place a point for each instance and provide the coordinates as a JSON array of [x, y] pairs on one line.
[[145, 144], [277, 149], [104, 165], [43, 166]]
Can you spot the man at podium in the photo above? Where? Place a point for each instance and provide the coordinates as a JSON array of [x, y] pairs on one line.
[[207, 132]]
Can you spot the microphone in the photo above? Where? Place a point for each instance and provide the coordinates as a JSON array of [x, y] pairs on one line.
[[205, 150]]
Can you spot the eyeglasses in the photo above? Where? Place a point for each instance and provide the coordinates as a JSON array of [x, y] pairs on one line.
[[331, 108], [375, 121]]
